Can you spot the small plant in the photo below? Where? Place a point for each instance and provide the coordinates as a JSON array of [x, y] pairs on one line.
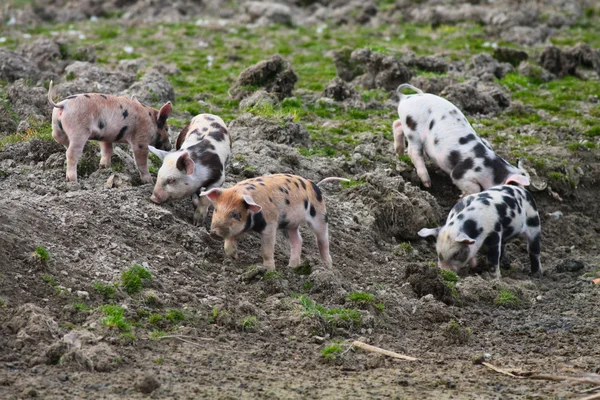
[[50, 280], [158, 361], [405, 159], [115, 317], [249, 323], [448, 275], [353, 183], [457, 334], [331, 353], [592, 274], [574, 146], [128, 337], [330, 315], [134, 278], [404, 248], [155, 319], [174, 315], [157, 334], [380, 307], [303, 269], [42, 254], [3, 302], [273, 275], [307, 286], [81, 307], [107, 290], [507, 298], [361, 297]]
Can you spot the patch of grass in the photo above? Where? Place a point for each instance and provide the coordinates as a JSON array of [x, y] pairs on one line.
[[507, 298], [380, 307], [330, 353], [249, 323], [128, 337], [42, 253], [449, 276], [403, 248], [405, 159], [81, 307], [307, 286], [330, 315], [303, 269], [158, 361], [115, 317], [592, 274], [107, 290], [174, 315], [353, 183], [361, 297], [155, 319], [556, 176], [50, 280], [273, 275], [156, 334], [594, 131], [134, 278], [457, 334]]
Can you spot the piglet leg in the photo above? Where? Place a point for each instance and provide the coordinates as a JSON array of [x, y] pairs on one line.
[[319, 227], [416, 155], [140, 153], [74, 151], [493, 258], [231, 248], [398, 137], [268, 247], [533, 248], [106, 149], [295, 246]]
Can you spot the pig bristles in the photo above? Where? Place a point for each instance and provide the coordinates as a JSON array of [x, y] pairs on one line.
[[378, 350], [333, 179], [53, 104], [407, 86]]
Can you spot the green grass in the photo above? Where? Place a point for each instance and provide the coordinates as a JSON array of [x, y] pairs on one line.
[[81, 307], [269, 275], [249, 323], [155, 319], [107, 290], [174, 315], [307, 286], [507, 298], [49, 279], [361, 297], [156, 334], [330, 315], [115, 318], [332, 352], [449, 276], [134, 278], [42, 253]]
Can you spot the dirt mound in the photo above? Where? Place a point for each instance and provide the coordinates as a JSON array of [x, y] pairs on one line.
[[430, 63], [510, 55], [267, 13], [426, 280], [248, 127], [486, 68], [29, 102], [14, 66], [84, 77], [557, 62], [8, 126], [434, 85], [469, 99], [339, 90], [153, 89], [380, 71], [276, 76]]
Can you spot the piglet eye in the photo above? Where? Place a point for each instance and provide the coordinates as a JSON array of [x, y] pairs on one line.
[[170, 181], [236, 215]]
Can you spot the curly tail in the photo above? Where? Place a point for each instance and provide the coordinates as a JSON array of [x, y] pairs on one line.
[[332, 179], [407, 86], [53, 104]]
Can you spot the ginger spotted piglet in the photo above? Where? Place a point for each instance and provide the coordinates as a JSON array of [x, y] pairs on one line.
[[268, 203], [108, 119]]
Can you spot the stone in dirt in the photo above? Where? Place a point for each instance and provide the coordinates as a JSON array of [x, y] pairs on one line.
[[276, 76], [570, 265]]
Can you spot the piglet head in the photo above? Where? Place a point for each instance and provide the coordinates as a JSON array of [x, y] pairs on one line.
[[175, 179], [232, 212], [454, 250], [161, 140]]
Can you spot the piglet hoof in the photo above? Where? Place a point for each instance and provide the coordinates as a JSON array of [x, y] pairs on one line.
[[146, 179], [427, 184]]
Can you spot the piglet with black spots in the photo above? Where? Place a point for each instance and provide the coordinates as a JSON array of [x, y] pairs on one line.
[[266, 204], [489, 218], [435, 127], [202, 151], [108, 119]]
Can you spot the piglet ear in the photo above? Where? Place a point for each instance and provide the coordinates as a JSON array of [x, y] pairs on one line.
[[212, 194], [163, 114], [425, 232], [252, 206], [462, 238], [185, 163], [518, 179], [159, 153]]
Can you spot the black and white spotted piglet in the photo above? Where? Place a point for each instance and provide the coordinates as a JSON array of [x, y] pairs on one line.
[[489, 218], [435, 127], [202, 151]]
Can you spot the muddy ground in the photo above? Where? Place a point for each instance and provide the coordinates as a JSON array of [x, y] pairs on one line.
[[209, 327]]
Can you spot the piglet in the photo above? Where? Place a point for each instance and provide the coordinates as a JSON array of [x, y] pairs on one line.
[[435, 127], [268, 203], [490, 218], [202, 151], [108, 119]]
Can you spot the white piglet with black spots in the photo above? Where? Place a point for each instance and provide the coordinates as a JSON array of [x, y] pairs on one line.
[[202, 151], [437, 128], [489, 218]]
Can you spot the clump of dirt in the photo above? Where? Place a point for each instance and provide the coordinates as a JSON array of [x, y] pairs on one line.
[[267, 13], [14, 66], [430, 63], [487, 68], [255, 128], [434, 85], [557, 62], [153, 89], [84, 77], [29, 102], [276, 76], [7, 124], [426, 280], [381, 71], [33, 329], [339, 90], [46, 54], [468, 99], [510, 55]]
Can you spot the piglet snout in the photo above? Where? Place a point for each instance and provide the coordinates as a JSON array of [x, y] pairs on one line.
[[215, 234], [154, 199]]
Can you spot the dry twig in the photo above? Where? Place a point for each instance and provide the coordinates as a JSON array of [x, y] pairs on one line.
[[378, 350]]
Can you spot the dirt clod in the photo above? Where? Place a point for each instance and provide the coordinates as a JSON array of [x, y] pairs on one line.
[[570, 265], [146, 384], [276, 76]]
